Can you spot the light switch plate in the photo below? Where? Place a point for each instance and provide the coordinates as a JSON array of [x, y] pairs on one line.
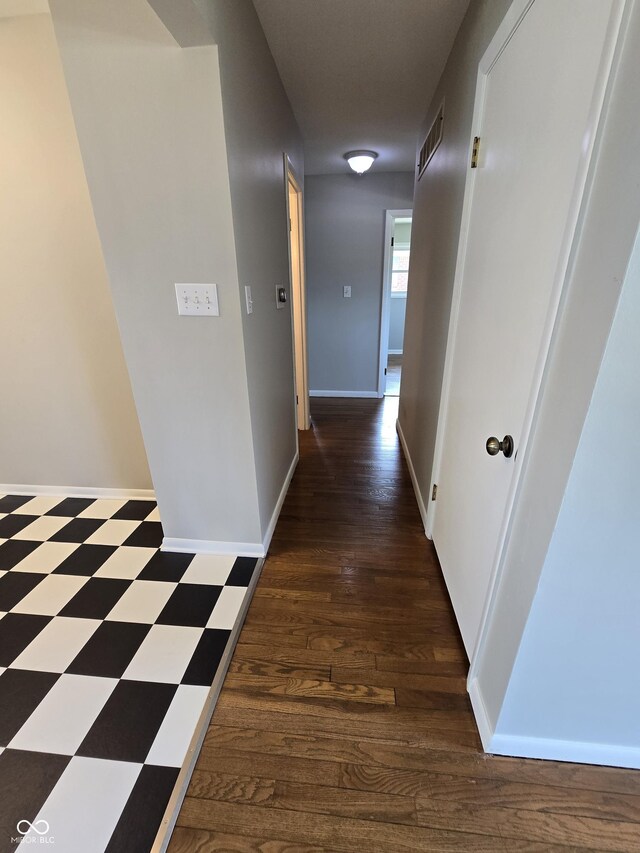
[[249, 300], [346, 291], [197, 300]]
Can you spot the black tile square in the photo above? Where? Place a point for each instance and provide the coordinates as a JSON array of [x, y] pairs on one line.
[[206, 658], [190, 604], [10, 503], [21, 691], [96, 598], [110, 650], [26, 780], [148, 534], [12, 524], [129, 722], [17, 630], [166, 566], [77, 530], [70, 507], [85, 560], [14, 551], [242, 571], [135, 510], [14, 586], [149, 798]]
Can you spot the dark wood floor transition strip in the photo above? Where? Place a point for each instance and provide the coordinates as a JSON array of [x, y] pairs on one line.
[[344, 723]]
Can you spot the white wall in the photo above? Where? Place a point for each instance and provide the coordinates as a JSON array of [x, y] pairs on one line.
[[150, 124], [259, 127], [345, 219], [436, 226], [574, 678], [68, 417]]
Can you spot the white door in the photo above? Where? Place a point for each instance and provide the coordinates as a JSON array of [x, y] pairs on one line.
[[538, 105]]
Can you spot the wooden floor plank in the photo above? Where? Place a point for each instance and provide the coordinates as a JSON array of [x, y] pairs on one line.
[[337, 833], [344, 722]]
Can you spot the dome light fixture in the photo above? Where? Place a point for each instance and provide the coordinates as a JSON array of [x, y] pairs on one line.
[[360, 161]]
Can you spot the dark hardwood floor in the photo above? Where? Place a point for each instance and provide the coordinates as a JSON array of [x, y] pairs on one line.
[[344, 723]]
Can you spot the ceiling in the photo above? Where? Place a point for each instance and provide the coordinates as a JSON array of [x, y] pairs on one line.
[[360, 73]]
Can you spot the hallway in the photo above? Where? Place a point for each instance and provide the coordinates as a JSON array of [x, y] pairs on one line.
[[344, 722]]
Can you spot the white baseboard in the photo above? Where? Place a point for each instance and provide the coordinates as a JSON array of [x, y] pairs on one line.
[[414, 479], [549, 749], [367, 394], [395, 352], [276, 512], [78, 492], [239, 549], [212, 546], [483, 722], [579, 752]]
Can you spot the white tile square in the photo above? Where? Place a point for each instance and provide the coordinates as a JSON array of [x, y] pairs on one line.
[[57, 645], [169, 749], [164, 654], [39, 505], [112, 532], [61, 721], [3, 515], [126, 563], [208, 569], [154, 515], [227, 607], [102, 508], [51, 595], [46, 557], [42, 528], [84, 807], [142, 602]]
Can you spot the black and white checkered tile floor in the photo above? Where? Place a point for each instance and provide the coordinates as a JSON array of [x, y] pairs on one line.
[[108, 649]]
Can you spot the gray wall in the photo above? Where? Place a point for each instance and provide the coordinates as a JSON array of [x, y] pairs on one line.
[[259, 127], [150, 125], [436, 228], [574, 677], [68, 417], [345, 219]]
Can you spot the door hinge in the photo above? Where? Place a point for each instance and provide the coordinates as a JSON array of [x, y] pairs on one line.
[[434, 492], [393, 241], [475, 152], [385, 371], [290, 226]]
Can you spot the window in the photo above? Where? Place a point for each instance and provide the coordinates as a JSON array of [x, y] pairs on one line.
[[400, 271]]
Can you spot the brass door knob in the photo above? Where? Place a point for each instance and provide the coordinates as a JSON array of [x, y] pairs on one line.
[[494, 446]]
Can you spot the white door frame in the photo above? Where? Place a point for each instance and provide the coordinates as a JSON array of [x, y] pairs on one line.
[[507, 28], [298, 301], [385, 304]]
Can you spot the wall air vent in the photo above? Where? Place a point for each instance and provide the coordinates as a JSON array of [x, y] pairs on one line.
[[434, 138]]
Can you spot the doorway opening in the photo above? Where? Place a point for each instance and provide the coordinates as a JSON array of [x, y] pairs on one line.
[[298, 301], [397, 249]]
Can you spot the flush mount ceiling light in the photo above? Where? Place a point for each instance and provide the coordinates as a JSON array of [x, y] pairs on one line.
[[360, 161]]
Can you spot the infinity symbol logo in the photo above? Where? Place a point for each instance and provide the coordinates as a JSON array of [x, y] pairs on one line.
[[40, 826]]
